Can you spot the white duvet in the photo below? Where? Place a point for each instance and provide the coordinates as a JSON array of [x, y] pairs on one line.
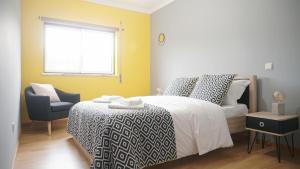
[[200, 126]]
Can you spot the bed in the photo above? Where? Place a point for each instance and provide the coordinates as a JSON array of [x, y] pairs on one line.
[[180, 127]]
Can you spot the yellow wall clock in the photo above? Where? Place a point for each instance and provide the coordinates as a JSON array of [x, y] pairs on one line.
[[162, 38]]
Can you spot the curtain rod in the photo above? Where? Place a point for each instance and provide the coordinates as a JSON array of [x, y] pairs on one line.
[[77, 24]]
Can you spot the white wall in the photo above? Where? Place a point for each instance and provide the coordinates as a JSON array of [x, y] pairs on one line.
[[10, 80], [231, 36]]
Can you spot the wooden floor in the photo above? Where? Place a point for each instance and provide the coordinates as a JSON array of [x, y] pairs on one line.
[[39, 151]]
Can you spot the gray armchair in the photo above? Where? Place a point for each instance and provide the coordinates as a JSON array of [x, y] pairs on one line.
[[40, 109]]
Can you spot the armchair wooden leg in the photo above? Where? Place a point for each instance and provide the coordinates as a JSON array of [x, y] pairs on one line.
[[49, 128]]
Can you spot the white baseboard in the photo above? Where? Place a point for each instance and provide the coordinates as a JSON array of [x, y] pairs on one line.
[[15, 154]]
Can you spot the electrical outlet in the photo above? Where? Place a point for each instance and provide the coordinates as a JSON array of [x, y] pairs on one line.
[[269, 66]]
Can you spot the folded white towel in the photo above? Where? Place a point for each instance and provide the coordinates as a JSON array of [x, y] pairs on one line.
[[107, 99], [111, 98], [117, 105], [101, 100], [130, 101]]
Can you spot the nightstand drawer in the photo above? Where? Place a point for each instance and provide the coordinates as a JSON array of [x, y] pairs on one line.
[[273, 126]]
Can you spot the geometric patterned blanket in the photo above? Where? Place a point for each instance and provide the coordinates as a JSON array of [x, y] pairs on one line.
[[123, 139]]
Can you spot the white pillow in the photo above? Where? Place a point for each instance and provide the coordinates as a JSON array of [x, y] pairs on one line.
[[45, 90], [235, 91]]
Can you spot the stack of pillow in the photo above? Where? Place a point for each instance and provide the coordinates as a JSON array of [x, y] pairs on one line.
[[218, 89]]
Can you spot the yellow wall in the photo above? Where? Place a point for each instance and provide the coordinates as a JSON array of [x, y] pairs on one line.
[[135, 48]]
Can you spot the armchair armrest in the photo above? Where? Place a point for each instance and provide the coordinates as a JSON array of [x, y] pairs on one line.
[[68, 97], [38, 107]]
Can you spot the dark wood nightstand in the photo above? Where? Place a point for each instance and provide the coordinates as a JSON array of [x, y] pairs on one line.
[[275, 125]]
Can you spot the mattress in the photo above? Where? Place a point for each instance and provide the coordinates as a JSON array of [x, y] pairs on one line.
[[235, 110]]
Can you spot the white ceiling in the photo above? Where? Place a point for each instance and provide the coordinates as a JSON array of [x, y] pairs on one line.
[[145, 6]]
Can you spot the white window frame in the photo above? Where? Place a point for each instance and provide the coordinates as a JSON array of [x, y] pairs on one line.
[[80, 25]]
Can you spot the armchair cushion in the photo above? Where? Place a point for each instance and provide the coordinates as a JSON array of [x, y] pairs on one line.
[[45, 90], [60, 106]]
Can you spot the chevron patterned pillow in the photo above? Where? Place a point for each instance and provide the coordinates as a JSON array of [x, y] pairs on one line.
[[181, 87], [212, 88]]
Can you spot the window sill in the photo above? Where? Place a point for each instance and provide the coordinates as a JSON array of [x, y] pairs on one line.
[[79, 74]]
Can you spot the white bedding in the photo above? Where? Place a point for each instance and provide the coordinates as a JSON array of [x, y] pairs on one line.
[[200, 126], [235, 110]]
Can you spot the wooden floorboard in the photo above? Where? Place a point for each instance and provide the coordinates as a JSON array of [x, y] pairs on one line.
[[37, 150]]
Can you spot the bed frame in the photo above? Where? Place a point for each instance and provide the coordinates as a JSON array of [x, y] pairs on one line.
[[83, 151], [237, 124]]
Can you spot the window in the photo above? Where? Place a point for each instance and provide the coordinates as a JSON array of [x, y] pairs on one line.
[[78, 50]]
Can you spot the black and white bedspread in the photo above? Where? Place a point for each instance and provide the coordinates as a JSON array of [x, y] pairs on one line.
[[129, 139]]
